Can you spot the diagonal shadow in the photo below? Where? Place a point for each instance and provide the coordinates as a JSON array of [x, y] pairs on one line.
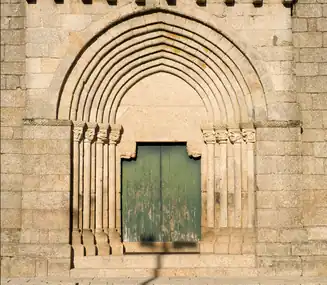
[[148, 241]]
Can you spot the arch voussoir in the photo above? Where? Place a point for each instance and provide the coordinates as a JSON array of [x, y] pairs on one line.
[[227, 75]]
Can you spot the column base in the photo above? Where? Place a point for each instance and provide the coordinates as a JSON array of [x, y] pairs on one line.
[[116, 246], [102, 243], [78, 249], [77, 245], [89, 243]]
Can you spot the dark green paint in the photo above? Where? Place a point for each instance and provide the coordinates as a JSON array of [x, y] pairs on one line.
[[161, 196]]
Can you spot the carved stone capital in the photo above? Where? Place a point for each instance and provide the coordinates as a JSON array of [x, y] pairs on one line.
[[115, 133], [102, 135], [235, 136], [248, 135], [90, 132], [209, 134], [78, 131], [221, 136]]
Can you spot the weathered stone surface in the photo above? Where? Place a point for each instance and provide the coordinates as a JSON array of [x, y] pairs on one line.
[[82, 83]]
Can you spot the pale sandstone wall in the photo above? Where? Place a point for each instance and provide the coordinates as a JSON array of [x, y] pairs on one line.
[[310, 62], [12, 112], [291, 215]]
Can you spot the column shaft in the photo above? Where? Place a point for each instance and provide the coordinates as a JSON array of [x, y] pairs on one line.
[[249, 138], [105, 188], [222, 136], [211, 185], [87, 185], [209, 137], [112, 186], [99, 187], [236, 138], [76, 176]]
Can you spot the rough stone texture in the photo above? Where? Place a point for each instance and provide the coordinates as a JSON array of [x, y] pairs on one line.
[[12, 112], [284, 55]]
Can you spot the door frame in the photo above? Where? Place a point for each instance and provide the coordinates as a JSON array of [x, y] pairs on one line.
[[127, 151]]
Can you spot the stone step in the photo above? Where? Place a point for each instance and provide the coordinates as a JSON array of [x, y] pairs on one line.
[[152, 261], [282, 280], [168, 272]]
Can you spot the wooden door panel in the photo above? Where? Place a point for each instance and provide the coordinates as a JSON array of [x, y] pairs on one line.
[[181, 195], [161, 195], [141, 195]]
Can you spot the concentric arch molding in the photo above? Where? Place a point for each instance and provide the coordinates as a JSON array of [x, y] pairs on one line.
[[98, 71]]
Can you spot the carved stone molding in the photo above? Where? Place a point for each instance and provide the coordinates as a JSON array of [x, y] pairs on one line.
[[222, 136], [115, 133], [102, 135], [235, 136], [78, 131], [90, 132], [209, 134], [248, 135]]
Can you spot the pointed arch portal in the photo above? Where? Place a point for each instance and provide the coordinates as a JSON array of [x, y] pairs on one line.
[[137, 47]]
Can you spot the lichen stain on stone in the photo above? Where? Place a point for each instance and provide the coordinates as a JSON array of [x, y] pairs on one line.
[[202, 64], [176, 50]]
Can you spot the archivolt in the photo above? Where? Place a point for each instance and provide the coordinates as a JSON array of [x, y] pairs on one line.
[[161, 42]]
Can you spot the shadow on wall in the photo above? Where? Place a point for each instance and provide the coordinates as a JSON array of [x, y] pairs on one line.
[[148, 241]]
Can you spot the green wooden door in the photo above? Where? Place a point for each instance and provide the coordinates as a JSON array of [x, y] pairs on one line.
[[161, 197]]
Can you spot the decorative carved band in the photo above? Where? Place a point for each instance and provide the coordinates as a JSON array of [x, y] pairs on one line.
[[78, 131], [248, 135], [235, 136], [115, 134], [209, 134], [90, 132], [221, 136], [102, 135]]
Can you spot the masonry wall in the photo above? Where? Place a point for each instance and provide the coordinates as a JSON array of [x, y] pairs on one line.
[[12, 112], [310, 67], [291, 162]]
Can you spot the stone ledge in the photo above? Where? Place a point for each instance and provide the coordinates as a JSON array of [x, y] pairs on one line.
[[168, 280], [46, 122], [278, 124]]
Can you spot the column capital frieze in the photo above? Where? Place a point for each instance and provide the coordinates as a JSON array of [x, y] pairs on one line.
[[78, 130], [115, 133], [90, 132], [248, 135], [221, 136], [102, 135], [209, 134], [235, 136]]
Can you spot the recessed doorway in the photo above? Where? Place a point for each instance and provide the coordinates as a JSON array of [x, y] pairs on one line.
[[161, 195]]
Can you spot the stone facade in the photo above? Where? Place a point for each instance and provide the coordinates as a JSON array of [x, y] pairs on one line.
[[243, 84]]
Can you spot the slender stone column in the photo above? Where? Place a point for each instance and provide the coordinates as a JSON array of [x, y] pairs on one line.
[[93, 185], [236, 138], [115, 242], [222, 137], [88, 237], [106, 187], [249, 138], [78, 132], [81, 185], [209, 137], [101, 237]]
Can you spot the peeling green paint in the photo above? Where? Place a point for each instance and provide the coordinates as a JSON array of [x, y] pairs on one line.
[[161, 196]]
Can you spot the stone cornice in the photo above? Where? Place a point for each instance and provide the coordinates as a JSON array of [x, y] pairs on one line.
[[278, 124], [45, 122]]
